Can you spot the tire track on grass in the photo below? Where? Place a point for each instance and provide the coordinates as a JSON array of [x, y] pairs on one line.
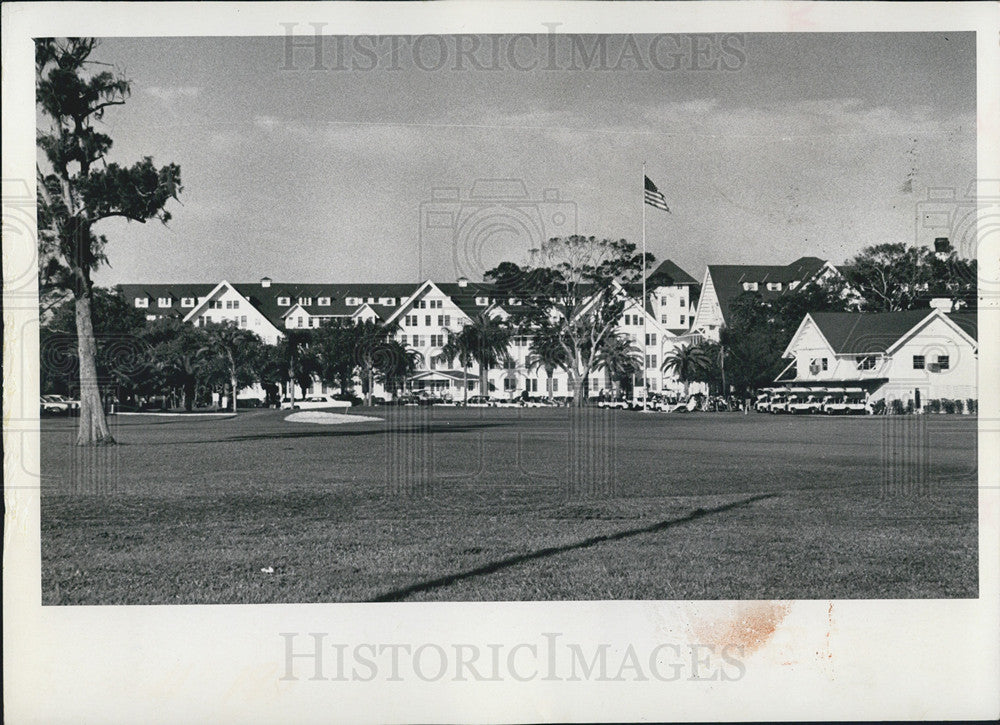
[[492, 567]]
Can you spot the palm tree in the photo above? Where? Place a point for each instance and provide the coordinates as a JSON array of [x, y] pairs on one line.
[[546, 352], [489, 342], [687, 362], [394, 363], [237, 349], [372, 341], [620, 357], [459, 346]]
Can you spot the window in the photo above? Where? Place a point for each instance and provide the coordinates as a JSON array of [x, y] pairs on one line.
[[300, 321], [387, 301], [352, 301], [402, 339], [793, 284], [141, 302], [865, 362], [420, 304], [440, 320], [150, 318], [683, 302], [305, 300], [509, 385], [532, 385], [651, 361], [447, 320], [663, 300], [284, 302], [187, 301], [824, 363], [749, 286], [243, 320], [651, 338], [482, 301], [410, 320], [437, 340], [370, 300], [427, 320], [683, 320], [163, 302], [554, 385], [313, 322], [918, 362], [943, 362], [652, 383], [774, 286], [229, 304], [663, 319]]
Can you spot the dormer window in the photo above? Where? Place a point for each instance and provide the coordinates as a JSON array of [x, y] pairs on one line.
[[284, 301], [482, 301], [323, 301], [370, 301], [352, 301], [141, 302], [187, 301], [305, 300], [164, 302], [387, 301], [513, 301], [793, 284], [749, 286], [774, 286]]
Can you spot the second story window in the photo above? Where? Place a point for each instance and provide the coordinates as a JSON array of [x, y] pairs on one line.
[[284, 301], [187, 301], [141, 302], [164, 302]]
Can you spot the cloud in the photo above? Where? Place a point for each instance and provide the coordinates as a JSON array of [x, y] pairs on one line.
[[168, 95]]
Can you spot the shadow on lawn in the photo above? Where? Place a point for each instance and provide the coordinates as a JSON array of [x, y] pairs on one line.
[[511, 561]]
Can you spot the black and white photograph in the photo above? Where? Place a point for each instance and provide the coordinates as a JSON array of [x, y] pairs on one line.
[[685, 323]]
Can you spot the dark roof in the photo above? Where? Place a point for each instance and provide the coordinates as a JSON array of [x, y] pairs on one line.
[[728, 279], [668, 274], [968, 321], [265, 299], [864, 332], [174, 292]]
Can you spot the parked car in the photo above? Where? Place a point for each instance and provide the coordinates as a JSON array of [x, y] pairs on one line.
[[58, 405], [617, 403], [508, 403], [806, 404], [778, 403], [315, 402], [851, 401], [763, 403], [539, 403], [479, 401]]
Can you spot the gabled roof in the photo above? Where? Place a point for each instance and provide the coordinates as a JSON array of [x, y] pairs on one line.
[[668, 274], [869, 332], [728, 279], [265, 299]]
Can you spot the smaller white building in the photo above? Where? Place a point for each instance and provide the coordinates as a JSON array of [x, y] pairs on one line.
[[916, 355]]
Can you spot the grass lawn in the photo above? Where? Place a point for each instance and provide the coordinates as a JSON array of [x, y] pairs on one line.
[[488, 504]]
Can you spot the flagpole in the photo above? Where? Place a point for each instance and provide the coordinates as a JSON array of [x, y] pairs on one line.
[[645, 335]]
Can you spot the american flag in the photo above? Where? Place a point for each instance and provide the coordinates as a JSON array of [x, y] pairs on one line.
[[654, 197]]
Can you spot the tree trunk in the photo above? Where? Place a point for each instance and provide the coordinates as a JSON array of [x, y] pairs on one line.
[[232, 383], [484, 380], [550, 391], [92, 428], [189, 392], [465, 384], [579, 390]]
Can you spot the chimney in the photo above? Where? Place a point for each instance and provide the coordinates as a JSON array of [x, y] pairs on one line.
[[942, 245], [942, 303], [265, 281], [463, 282]]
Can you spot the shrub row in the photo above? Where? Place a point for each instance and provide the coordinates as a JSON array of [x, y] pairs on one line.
[[937, 405]]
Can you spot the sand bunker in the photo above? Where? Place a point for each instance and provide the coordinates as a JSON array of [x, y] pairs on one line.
[[318, 416]]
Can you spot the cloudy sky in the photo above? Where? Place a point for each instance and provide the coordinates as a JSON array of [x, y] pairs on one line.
[[767, 148]]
